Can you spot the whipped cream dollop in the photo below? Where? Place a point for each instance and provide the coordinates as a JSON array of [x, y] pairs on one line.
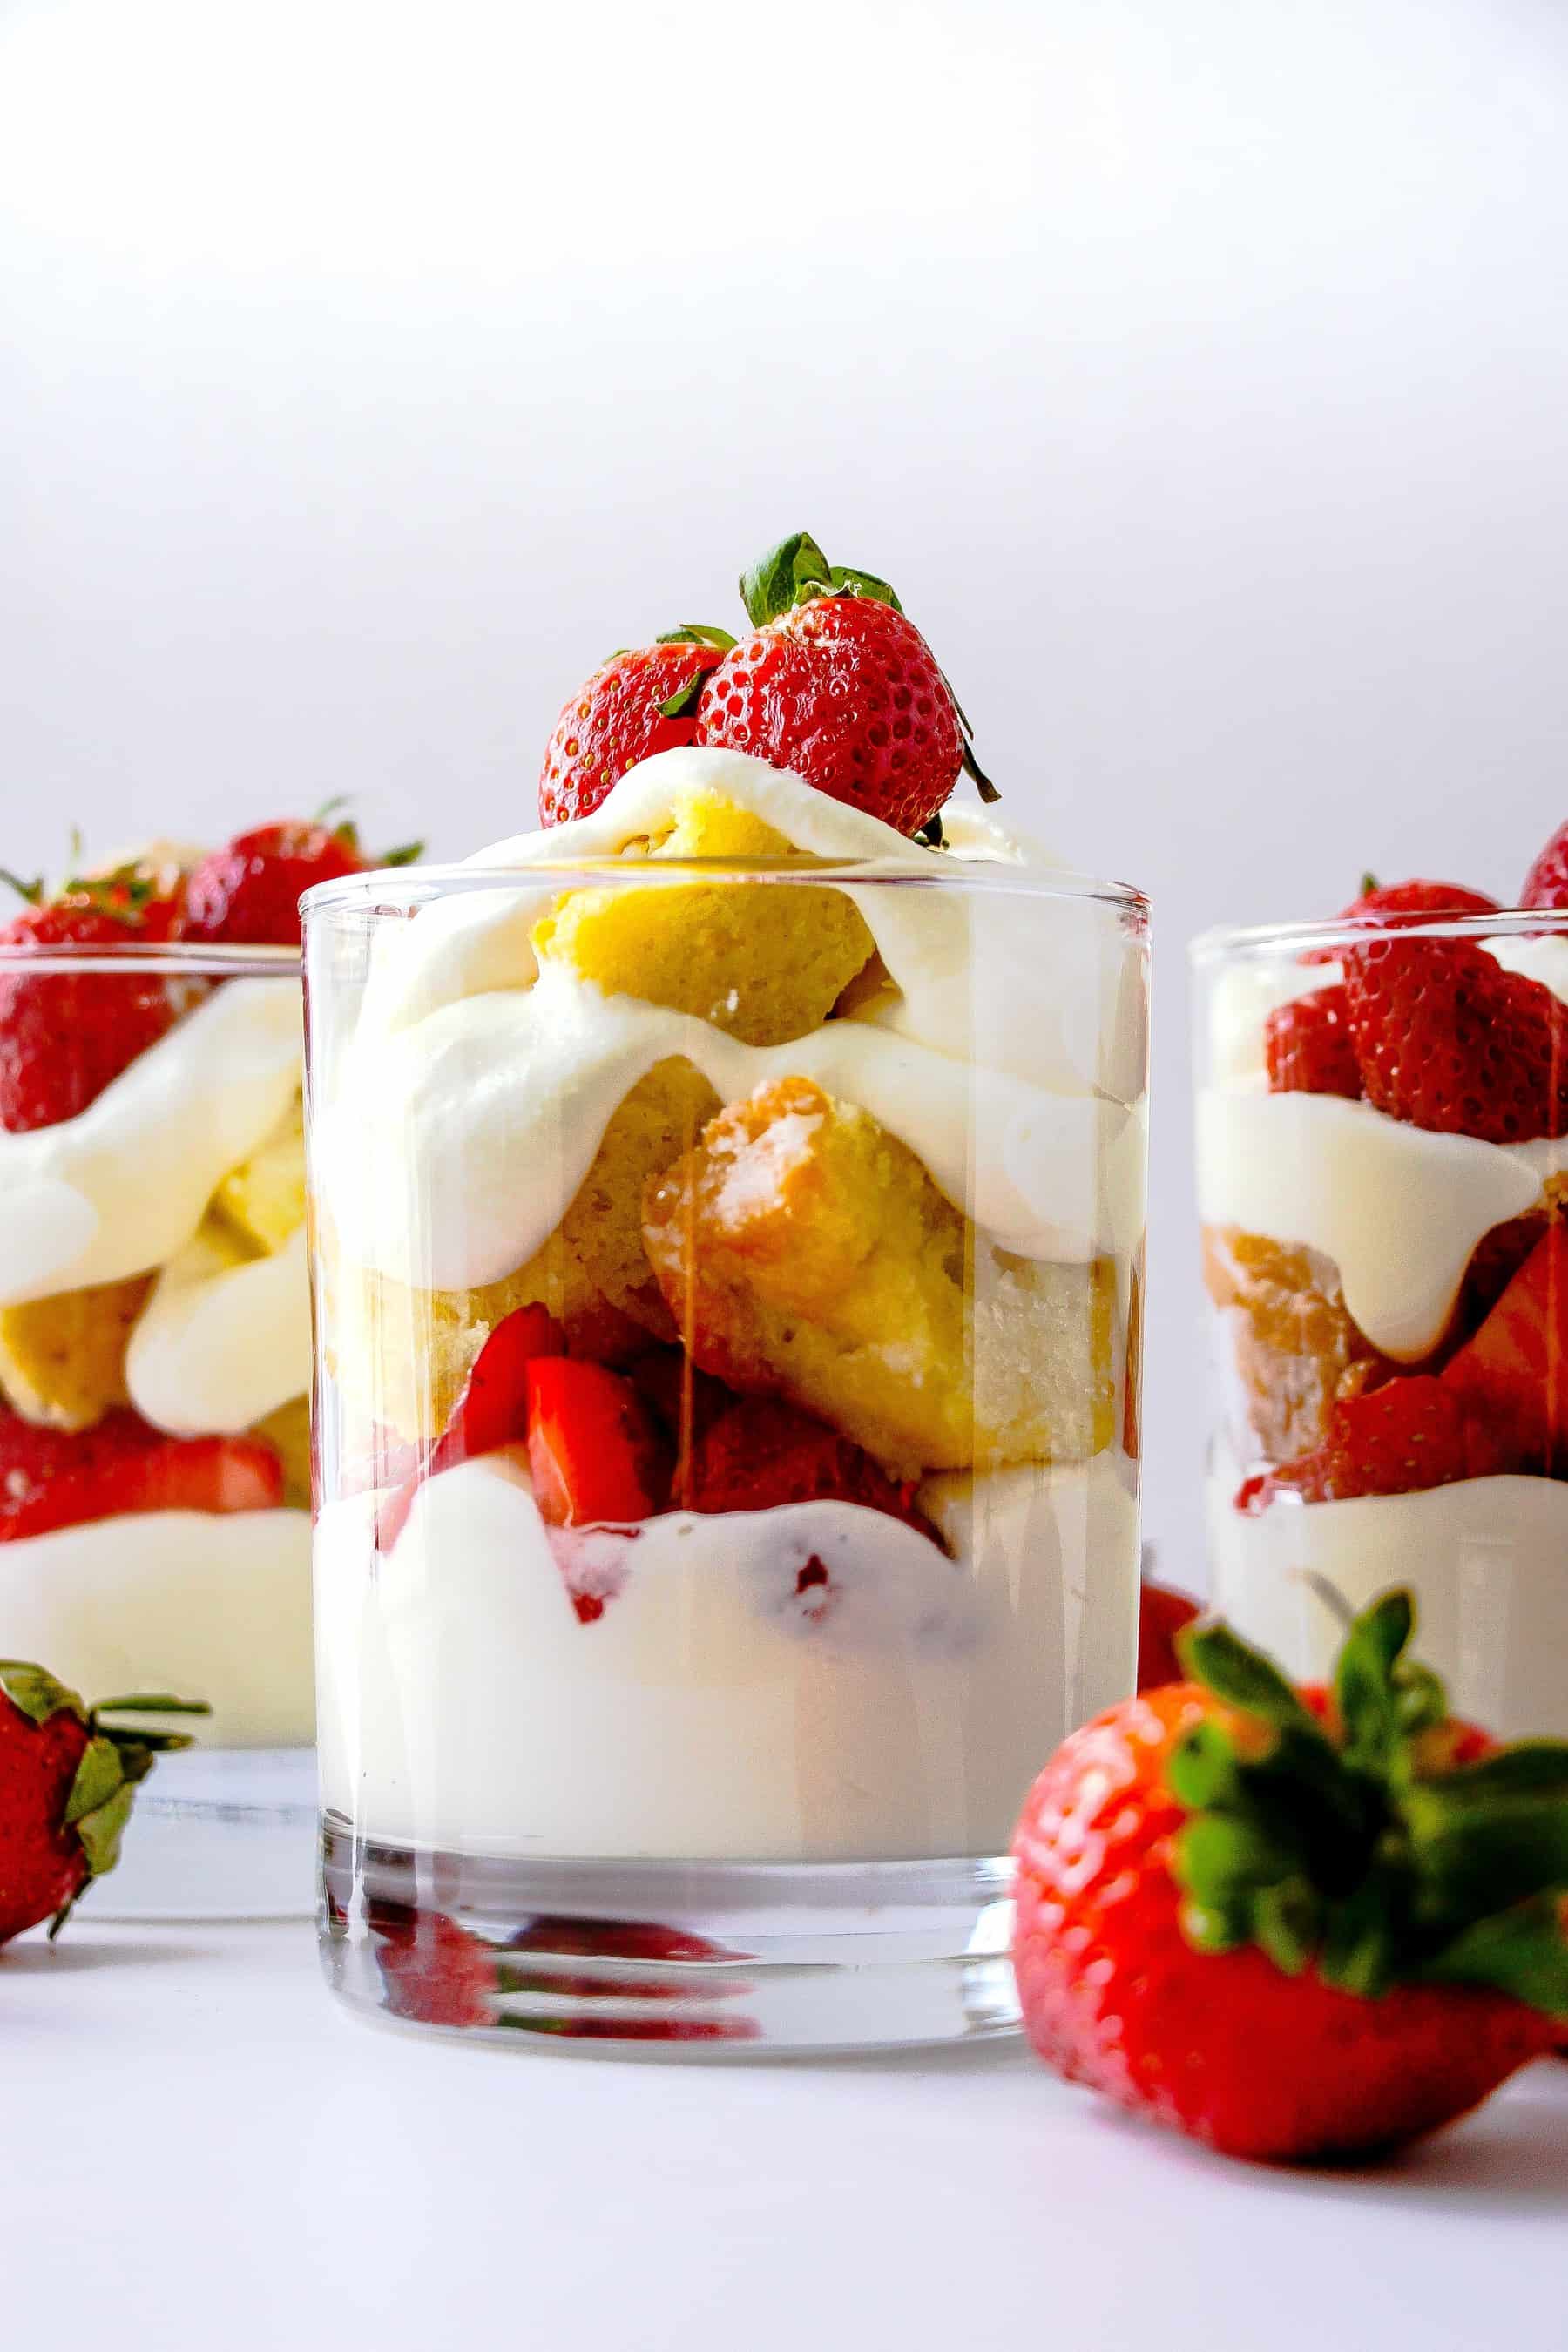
[[1398, 1209], [214, 1607], [1486, 1559], [119, 1189], [717, 1708], [470, 1067], [219, 1346]]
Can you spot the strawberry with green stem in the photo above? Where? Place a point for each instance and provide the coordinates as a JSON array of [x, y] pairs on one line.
[[1295, 1924], [642, 700], [68, 1780]]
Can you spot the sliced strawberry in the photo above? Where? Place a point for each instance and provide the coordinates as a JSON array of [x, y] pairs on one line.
[[67, 1036], [1309, 1047], [1514, 1369], [433, 1969], [1401, 1439], [491, 1412], [1546, 884], [687, 1400], [1446, 1039], [51, 1479], [597, 1453], [1162, 1613], [763, 1453]]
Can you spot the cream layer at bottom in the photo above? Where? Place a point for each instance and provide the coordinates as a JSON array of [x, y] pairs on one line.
[[1486, 1559], [207, 1605], [721, 1707]]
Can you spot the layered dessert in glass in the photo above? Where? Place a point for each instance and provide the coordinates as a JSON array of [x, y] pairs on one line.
[[154, 1340], [728, 1211], [1382, 1168]]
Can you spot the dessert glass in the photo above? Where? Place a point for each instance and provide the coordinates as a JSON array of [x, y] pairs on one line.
[[153, 1288], [1347, 1251], [736, 1776]]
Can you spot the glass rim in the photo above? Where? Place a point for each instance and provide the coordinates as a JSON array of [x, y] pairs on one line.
[[214, 960], [419, 883], [1226, 942]]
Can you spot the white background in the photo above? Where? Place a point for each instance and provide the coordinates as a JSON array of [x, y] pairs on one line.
[[1197, 368]]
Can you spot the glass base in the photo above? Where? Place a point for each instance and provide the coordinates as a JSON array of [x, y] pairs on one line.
[[650, 1959], [218, 1833]]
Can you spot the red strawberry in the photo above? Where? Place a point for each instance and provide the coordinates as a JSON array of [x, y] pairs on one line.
[[1289, 1926], [1412, 902], [1309, 1047], [1513, 1370], [434, 1971], [763, 1453], [642, 700], [1400, 1439], [1546, 884], [687, 1400], [66, 1788], [1446, 1039], [67, 1036], [53, 1478], [839, 686], [247, 893], [597, 1453], [491, 1412], [1162, 1613]]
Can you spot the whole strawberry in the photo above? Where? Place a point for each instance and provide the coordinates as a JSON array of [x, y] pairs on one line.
[[67, 1784], [1448, 1040], [247, 893], [1546, 884], [1386, 903], [640, 701], [839, 686], [1294, 1925], [65, 1035]]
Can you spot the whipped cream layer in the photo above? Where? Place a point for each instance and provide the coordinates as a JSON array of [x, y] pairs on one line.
[[1487, 1560], [218, 1346], [995, 1059], [717, 1711], [208, 1606], [1398, 1209], [121, 1187]]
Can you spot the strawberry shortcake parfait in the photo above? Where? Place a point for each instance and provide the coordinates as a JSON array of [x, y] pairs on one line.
[[154, 1319], [1382, 1165], [728, 1205]]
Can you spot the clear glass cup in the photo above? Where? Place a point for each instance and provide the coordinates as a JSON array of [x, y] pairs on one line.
[[154, 1371], [682, 1687], [1387, 1307]]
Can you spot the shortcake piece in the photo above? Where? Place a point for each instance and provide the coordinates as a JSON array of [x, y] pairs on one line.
[[264, 1197], [766, 964], [805, 1251], [62, 1360], [406, 1352]]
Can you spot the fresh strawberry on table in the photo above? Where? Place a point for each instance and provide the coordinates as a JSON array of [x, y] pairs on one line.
[[52, 1478], [1294, 1925], [837, 684], [66, 1781], [1546, 884], [247, 893], [1448, 1040], [1309, 1048], [67, 1036], [640, 701]]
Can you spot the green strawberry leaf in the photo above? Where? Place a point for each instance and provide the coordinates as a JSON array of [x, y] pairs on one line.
[[97, 1774], [848, 583], [33, 892], [1242, 1677], [408, 852], [36, 1693], [102, 1830], [787, 575], [696, 632], [685, 697], [1523, 1952], [1364, 1678]]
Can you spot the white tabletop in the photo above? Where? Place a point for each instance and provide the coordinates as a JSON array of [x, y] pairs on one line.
[[204, 2151]]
